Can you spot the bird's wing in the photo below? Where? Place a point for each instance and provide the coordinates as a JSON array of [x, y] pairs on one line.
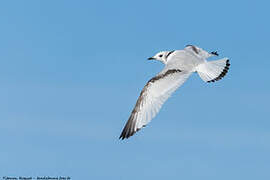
[[152, 97], [200, 52]]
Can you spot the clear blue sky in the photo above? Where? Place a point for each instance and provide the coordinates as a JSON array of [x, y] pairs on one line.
[[71, 72]]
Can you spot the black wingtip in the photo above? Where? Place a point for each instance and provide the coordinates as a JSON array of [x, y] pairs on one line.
[[122, 136], [223, 73], [127, 134], [215, 53]]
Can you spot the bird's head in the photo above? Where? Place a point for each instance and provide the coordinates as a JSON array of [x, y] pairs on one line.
[[161, 56]]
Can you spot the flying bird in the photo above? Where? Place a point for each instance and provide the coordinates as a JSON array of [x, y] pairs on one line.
[[179, 65]]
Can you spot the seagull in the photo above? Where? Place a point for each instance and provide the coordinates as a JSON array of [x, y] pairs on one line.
[[179, 65]]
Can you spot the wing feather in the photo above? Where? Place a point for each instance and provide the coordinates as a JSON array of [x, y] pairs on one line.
[[154, 94]]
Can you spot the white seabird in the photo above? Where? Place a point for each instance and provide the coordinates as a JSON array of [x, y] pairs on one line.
[[179, 65]]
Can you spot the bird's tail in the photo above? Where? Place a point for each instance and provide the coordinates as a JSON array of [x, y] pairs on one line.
[[212, 71]]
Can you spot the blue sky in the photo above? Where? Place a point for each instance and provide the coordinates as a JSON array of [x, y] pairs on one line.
[[70, 74]]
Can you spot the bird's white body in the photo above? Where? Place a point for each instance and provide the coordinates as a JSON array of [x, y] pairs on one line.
[[186, 59], [179, 65], [178, 60]]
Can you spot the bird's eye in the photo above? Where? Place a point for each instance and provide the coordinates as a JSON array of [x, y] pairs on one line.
[[160, 55]]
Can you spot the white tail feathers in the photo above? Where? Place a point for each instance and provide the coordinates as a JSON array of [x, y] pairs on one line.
[[212, 71]]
